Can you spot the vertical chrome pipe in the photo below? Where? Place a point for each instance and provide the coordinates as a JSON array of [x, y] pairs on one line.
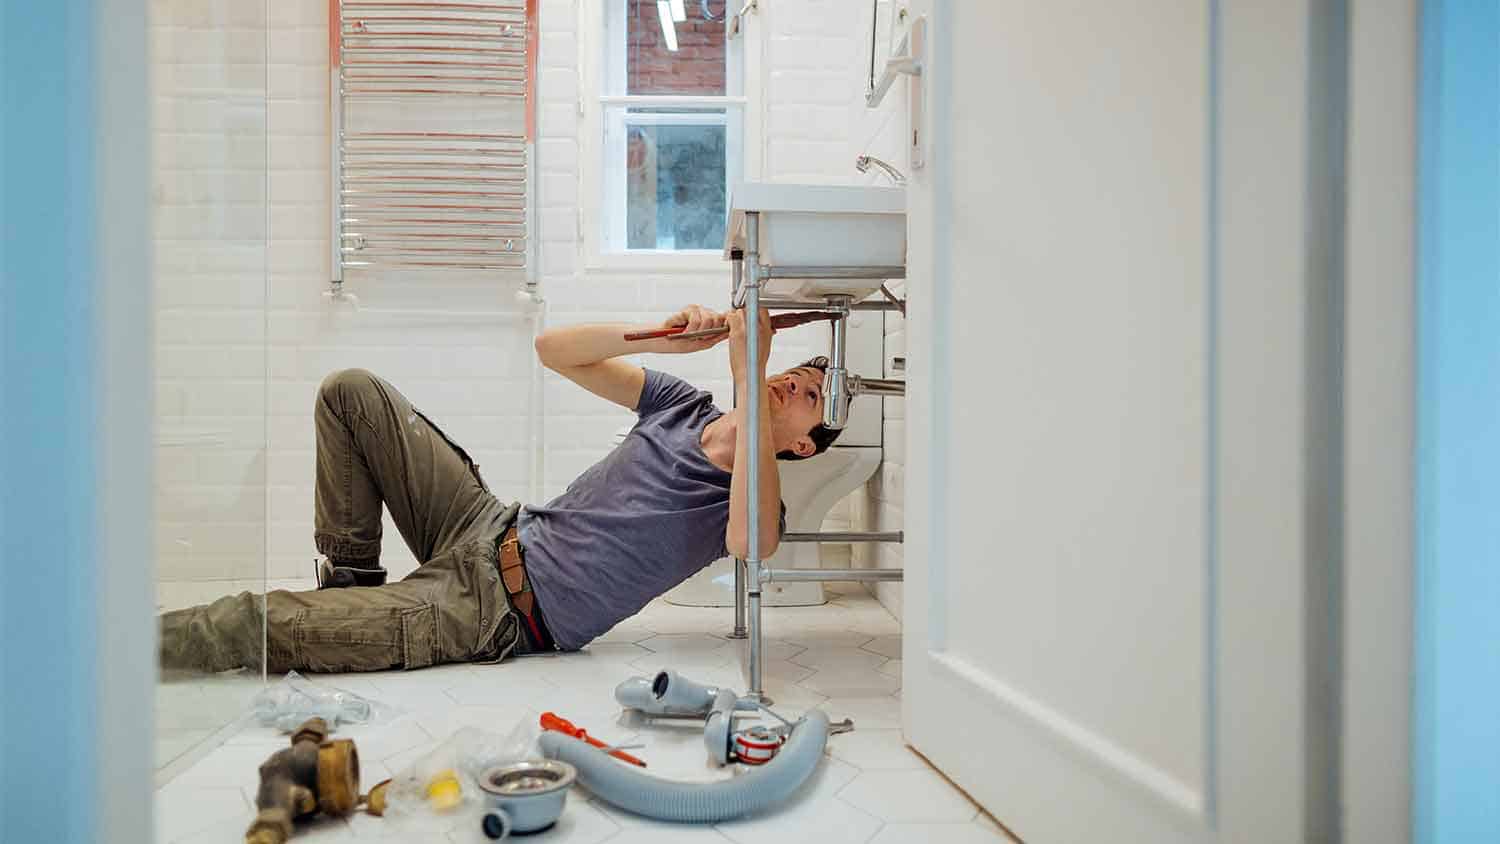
[[737, 268], [739, 600], [752, 414], [836, 379]]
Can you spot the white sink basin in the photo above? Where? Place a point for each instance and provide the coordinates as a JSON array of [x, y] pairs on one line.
[[821, 226]]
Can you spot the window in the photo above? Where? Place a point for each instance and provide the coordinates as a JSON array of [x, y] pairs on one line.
[[666, 129]]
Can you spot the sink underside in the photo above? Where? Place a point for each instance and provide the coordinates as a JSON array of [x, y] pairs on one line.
[[821, 226]]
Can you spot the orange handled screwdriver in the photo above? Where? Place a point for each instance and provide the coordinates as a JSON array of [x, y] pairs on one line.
[[551, 721], [777, 321]]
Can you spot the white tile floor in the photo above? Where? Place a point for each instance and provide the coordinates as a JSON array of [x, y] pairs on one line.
[[842, 657], [191, 713]]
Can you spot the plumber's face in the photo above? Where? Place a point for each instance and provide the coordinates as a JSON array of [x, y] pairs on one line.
[[796, 408]]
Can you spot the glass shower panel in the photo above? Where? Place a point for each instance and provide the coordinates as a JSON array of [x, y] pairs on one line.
[[209, 203]]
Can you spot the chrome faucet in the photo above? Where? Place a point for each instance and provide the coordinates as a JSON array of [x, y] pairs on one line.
[[863, 162]]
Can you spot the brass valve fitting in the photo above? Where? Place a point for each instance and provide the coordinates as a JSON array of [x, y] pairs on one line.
[[313, 775]]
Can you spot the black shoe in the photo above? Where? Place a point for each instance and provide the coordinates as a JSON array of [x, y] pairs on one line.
[[331, 576]]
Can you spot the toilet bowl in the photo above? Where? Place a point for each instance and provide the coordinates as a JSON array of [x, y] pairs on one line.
[[810, 488]]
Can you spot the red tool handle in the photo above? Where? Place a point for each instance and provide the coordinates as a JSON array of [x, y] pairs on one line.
[[655, 333], [551, 721], [777, 321]]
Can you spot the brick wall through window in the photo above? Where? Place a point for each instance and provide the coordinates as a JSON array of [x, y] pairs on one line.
[[695, 67]]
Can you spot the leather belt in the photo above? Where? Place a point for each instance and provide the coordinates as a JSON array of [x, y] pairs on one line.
[[518, 587]]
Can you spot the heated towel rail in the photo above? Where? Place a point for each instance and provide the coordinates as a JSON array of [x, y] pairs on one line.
[[432, 117]]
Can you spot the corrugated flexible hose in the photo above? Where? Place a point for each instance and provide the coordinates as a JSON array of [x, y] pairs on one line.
[[696, 802]]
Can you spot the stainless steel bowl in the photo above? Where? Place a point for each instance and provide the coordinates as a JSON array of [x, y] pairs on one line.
[[525, 796]]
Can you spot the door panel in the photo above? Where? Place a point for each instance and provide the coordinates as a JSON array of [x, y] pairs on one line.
[[1085, 417], [1070, 637]]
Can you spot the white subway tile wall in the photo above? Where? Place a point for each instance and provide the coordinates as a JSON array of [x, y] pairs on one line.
[[245, 335], [881, 132]]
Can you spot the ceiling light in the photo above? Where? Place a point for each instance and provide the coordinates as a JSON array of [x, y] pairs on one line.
[[668, 29]]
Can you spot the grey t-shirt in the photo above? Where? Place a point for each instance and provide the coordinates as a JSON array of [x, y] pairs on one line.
[[637, 523]]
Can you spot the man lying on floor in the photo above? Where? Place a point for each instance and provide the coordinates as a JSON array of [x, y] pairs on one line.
[[500, 579]]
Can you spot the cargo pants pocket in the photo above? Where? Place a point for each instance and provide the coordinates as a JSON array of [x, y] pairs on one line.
[[463, 455], [367, 639]]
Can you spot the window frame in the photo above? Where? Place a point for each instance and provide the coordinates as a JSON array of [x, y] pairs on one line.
[[599, 49]]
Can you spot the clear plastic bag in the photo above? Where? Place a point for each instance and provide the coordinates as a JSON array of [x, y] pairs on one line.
[[295, 699], [445, 780]]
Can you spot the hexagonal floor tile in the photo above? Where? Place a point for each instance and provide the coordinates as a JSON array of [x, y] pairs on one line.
[[781, 670], [887, 646], [666, 833], [685, 653], [875, 713], [837, 658], [635, 829], [676, 751], [683, 644], [775, 648], [626, 631], [498, 719], [498, 685], [872, 749], [615, 651], [814, 815], [948, 833], [854, 682], [813, 638], [580, 823], [791, 700], [919, 796], [182, 810]]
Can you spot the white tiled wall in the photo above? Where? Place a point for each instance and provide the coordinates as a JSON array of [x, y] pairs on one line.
[[242, 215], [881, 132]]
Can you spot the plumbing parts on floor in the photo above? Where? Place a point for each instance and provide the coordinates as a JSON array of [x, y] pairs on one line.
[[668, 694], [313, 775], [696, 802], [317, 775], [784, 756], [524, 797]]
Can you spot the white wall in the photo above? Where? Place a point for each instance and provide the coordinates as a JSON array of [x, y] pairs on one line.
[[209, 150], [241, 193], [881, 132]]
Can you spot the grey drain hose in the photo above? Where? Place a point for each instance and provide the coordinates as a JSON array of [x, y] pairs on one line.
[[696, 802]]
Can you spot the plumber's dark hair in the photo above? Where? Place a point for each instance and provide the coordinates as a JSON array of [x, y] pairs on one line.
[[821, 436]]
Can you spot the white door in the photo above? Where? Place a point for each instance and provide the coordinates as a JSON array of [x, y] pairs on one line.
[[1115, 563]]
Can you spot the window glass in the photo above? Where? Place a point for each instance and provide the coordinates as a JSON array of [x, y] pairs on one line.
[[664, 55], [674, 179]]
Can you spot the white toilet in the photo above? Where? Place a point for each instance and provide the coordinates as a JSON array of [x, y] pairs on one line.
[[811, 487]]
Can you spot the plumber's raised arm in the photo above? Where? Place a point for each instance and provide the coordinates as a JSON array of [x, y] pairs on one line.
[[586, 354], [736, 538]]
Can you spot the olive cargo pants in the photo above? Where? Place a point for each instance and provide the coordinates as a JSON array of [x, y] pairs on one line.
[[373, 447]]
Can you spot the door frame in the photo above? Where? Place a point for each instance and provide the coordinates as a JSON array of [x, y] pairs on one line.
[[1379, 422]]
